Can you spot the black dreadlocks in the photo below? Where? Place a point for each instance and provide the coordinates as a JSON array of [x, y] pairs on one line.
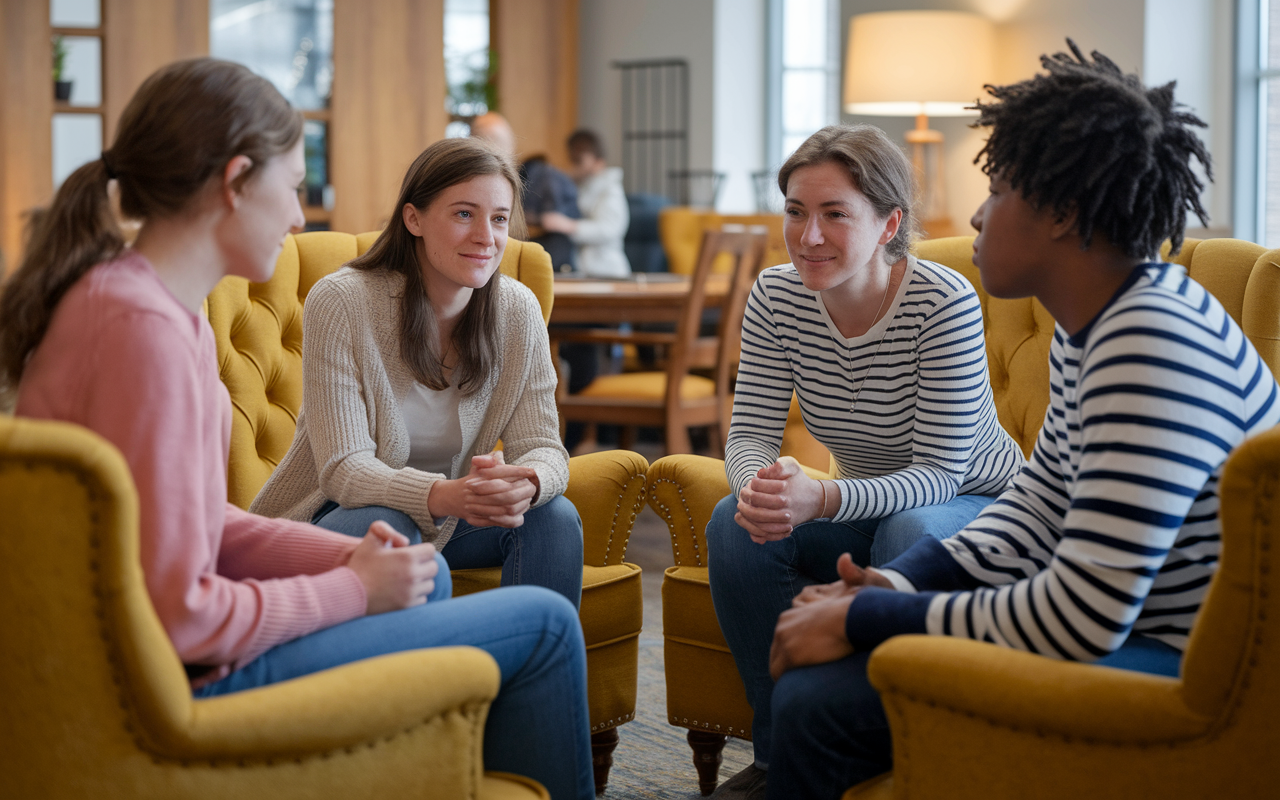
[[1086, 138]]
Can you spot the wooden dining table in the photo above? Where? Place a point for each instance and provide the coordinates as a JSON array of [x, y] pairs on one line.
[[644, 297]]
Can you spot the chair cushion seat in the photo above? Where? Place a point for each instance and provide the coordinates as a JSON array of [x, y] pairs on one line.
[[611, 598], [650, 386]]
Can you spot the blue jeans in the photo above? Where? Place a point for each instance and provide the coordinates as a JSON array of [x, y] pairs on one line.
[[830, 731], [545, 551], [751, 584], [537, 726]]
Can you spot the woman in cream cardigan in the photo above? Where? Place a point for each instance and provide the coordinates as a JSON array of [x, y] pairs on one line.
[[417, 358]]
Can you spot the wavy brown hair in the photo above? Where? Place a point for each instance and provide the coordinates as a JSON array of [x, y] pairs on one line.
[[877, 166], [177, 134], [446, 163]]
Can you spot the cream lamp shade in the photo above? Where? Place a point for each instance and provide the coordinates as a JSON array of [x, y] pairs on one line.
[[907, 63]]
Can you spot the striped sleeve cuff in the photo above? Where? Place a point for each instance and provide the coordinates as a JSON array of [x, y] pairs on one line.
[[877, 614]]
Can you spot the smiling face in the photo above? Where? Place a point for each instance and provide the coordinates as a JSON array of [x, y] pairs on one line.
[[462, 234], [266, 210], [831, 229], [1013, 238]]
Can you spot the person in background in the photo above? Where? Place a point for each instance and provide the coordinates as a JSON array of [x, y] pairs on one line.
[[107, 336], [597, 237], [547, 190], [599, 233], [1102, 548]]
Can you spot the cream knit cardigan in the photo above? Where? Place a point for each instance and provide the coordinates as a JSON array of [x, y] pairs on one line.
[[351, 444]]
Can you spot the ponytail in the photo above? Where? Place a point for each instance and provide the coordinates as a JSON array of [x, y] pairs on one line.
[[177, 133], [76, 232]]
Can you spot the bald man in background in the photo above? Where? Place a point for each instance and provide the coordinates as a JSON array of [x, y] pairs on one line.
[[545, 189]]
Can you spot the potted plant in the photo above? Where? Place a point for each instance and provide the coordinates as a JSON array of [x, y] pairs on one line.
[[61, 88]]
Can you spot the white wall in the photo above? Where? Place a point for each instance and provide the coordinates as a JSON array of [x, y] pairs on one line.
[[741, 53], [1190, 41], [628, 30]]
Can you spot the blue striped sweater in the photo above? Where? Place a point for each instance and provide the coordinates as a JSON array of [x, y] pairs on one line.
[[923, 428], [1113, 524]]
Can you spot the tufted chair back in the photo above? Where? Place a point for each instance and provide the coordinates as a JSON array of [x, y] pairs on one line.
[[258, 328]]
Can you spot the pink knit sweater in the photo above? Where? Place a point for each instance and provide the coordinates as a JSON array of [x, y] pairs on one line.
[[123, 358]]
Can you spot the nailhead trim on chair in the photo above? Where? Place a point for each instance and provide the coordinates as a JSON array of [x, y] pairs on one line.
[[613, 723], [617, 508], [728, 729], [126, 702], [666, 515]]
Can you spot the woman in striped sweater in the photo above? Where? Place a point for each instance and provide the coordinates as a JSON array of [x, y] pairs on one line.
[[1102, 548], [887, 358]]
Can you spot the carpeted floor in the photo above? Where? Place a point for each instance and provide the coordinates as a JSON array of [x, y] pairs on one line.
[[653, 760]]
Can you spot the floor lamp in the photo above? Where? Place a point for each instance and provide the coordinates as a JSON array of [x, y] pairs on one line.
[[920, 64]]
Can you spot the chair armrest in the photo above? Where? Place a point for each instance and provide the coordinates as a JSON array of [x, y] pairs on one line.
[[936, 676], [607, 336], [609, 490], [355, 704], [684, 490]]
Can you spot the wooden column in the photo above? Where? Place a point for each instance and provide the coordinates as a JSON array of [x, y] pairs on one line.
[[536, 42], [26, 111], [388, 102], [140, 36]]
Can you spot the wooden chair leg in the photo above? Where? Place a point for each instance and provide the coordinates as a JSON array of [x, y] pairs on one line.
[[627, 437], [602, 746], [708, 753], [678, 438], [715, 440]]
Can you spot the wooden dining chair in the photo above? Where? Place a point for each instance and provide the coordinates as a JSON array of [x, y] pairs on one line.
[[673, 398]]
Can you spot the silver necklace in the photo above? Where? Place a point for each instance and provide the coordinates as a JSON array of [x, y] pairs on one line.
[[880, 343]]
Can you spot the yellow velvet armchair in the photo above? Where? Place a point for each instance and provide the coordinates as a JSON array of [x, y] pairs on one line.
[[96, 702], [258, 329], [704, 693], [972, 720]]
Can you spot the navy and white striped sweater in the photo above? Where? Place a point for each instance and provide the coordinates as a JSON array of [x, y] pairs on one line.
[[925, 426], [1113, 524]]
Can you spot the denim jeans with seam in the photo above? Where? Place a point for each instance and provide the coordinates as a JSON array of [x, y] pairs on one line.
[[545, 551], [751, 584]]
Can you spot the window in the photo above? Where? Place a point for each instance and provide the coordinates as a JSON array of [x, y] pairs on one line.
[[1257, 168], [77, 85], [467, 68], [804, 72], [290, 43]]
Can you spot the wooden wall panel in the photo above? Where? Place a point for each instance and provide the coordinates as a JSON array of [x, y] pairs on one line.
[[388, 102], [26, 108], [536, 42], [140, 37]]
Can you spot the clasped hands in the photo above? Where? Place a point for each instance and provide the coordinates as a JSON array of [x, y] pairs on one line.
[[812, 631], [493, 493], [780, 497]]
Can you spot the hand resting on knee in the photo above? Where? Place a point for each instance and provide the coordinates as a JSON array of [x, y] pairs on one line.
[[780, 497], [812, 631], [395, 574], [494, 493]]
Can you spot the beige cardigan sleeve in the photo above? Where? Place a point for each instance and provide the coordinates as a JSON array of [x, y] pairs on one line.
[[532, 433], [336, 344]]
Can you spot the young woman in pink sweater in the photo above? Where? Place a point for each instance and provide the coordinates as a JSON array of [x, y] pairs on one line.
[[209, 157]]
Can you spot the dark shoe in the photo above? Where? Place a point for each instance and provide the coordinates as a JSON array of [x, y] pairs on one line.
[[746, 785]]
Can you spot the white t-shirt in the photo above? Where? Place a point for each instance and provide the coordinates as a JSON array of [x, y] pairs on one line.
[[435, 434]]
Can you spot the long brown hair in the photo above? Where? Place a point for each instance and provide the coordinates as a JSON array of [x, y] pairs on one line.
[[877, 166], [475, 337], [178, 132]]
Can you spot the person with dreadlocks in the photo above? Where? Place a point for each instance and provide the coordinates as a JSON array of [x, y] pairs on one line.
[[1101, 549]]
